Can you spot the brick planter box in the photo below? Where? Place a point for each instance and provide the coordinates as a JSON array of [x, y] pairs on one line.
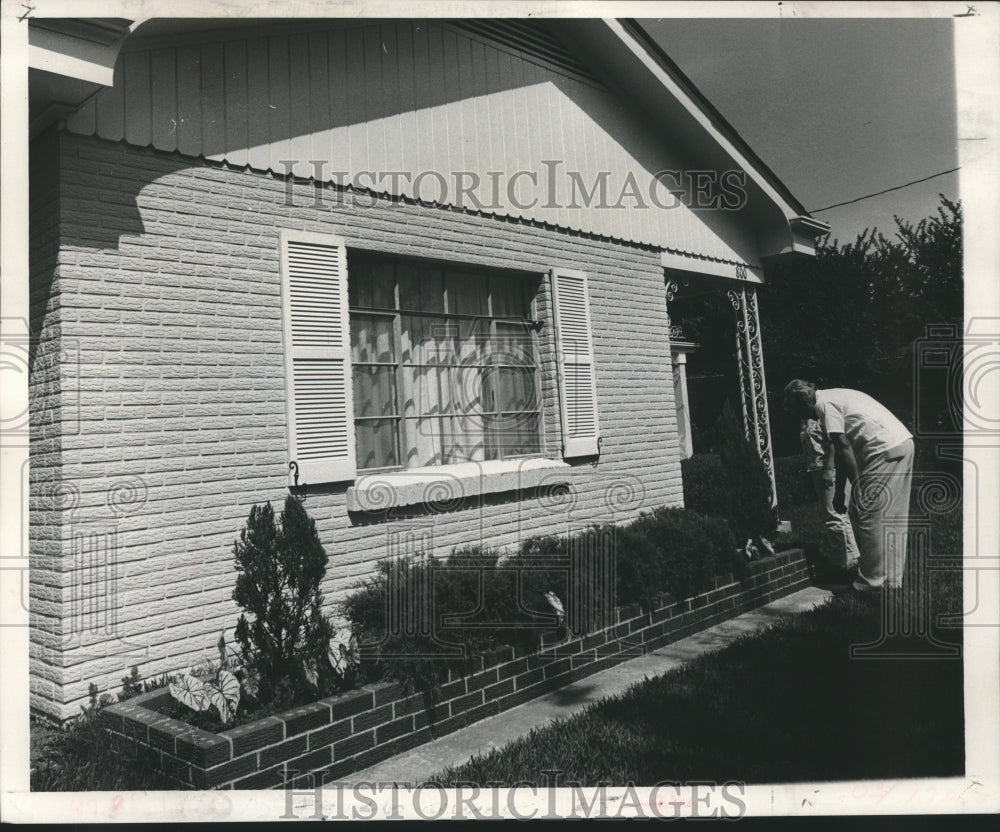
[[349, 732]]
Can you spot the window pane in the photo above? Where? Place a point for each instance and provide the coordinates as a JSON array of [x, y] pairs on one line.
[[466, 293], [514, 344], [427, 340], [374, 391], [516, 389], [421, 288], [426, 390], [518, 434], [371, 339], [471, 390], [376, 443], [509, 297], [474, 341], [371, 283], [425, 440], [468, 441], [459, 377]]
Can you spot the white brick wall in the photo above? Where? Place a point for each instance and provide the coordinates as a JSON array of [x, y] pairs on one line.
[[168, 283]]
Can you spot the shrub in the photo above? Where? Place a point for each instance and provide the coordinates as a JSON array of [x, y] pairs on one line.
[[583, 594], [747, 485], [672, 550], [795, 488], [134, 684], [705, 488], [488, 591], [419, 617], [704, 485], [285, 643], [78, 757]]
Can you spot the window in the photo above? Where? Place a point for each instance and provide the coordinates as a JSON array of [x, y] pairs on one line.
[[445, 366], [413, 364]]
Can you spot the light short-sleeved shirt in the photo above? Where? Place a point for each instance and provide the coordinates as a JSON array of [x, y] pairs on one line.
[[869, 426], [814, 444]]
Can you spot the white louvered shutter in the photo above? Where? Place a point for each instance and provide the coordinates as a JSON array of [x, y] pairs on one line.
[[317, 359], [575, 357]]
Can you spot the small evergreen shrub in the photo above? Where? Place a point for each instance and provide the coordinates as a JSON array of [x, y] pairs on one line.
[[390, 614], [673, 550], [704, 484], [569, 578], [748, 487], [284, 642], [419, 617]]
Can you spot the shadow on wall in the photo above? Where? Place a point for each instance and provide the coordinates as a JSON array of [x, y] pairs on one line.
[[262, 120]]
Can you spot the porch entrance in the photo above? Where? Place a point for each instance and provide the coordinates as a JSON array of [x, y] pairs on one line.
[[718, 357]]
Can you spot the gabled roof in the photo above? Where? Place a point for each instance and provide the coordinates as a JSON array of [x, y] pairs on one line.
[[625, 54], [77, 55], [635, 29]]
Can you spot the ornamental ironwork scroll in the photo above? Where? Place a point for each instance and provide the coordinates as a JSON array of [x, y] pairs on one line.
[[676, 330], [750, 363]]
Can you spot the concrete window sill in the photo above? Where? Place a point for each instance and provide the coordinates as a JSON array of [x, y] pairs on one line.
[[450, 484]]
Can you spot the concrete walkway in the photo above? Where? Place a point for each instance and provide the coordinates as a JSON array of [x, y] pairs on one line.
[[421, 763]]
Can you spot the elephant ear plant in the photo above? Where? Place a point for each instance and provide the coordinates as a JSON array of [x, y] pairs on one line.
[[222, 692], [209, 686], [283, 635]]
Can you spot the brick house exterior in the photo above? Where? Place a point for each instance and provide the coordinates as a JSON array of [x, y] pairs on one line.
[[160, 380]]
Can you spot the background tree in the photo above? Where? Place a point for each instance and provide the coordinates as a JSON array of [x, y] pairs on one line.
[[849, 317]]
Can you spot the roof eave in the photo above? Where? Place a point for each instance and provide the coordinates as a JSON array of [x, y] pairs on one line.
[[789, 229]]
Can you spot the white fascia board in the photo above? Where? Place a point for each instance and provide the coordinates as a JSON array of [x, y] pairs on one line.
[[795, 244], [696, 113], [72, 57], [715, 268]]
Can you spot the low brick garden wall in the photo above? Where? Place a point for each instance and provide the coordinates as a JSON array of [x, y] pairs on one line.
[[346, 733]]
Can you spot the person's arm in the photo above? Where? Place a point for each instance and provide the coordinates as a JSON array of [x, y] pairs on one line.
[[829, 466], [847, 469]]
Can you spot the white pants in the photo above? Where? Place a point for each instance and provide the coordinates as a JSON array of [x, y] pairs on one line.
[[880, 508], [838, 546]]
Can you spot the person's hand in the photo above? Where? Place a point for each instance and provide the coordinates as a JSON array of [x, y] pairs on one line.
[[829, 480], [839, 505]]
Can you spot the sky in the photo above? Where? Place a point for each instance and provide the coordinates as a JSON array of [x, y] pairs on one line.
[[837, 108]]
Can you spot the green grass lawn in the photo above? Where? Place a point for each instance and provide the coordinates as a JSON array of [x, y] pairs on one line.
[[785, 704]]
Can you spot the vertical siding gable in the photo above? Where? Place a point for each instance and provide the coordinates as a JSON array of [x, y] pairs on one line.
[[300, 98], [235, 120], [213, 97], [163, 68], [416, 96], [138, 98]]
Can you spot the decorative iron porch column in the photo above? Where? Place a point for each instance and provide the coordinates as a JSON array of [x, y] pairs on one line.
[[750, 360]]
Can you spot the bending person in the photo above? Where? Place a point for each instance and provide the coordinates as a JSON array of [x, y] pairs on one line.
[[839, 548], [873, 451]]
